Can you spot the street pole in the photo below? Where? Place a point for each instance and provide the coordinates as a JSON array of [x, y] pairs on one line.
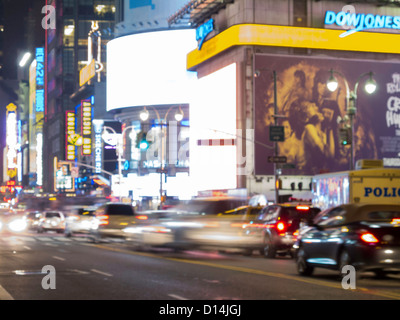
[[276, 143]]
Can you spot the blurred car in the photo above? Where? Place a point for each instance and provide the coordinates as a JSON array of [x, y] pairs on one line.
[[33, 219], [81, 221], [277, 226], [200, 223], [51, 221], [366, 236], [111, 219], [12, 222]]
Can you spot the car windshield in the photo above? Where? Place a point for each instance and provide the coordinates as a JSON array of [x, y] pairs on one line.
[[52, 215], [120, 210]]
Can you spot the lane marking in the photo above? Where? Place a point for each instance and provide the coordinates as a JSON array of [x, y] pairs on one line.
[[4, 295], [59, 258], [101, 272], [175, 296]]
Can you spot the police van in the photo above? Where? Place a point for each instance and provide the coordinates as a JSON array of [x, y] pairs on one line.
[[369, 183]]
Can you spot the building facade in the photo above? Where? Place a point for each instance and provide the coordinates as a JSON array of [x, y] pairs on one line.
[[82, 29], [282, 54]]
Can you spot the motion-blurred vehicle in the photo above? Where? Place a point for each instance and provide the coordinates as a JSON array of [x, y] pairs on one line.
[[200, 223], [12, 222], [366, 236], [111, 219], [81, 221], [51, 221], [277, 226], [33, 219]]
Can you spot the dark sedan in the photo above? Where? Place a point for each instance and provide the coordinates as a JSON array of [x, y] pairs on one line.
[[366, 236]]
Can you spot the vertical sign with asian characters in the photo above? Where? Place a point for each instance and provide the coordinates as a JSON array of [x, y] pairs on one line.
[[71, 136], [86, 107]]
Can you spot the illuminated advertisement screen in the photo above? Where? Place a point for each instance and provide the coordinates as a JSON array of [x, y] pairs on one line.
[[312, 115], [213, 131], [149, 69]]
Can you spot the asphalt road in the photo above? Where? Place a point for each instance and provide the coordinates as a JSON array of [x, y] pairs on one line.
[[82, 270]]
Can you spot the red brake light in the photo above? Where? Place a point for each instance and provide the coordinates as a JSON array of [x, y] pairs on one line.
[[369, 238], [142, 217], [302, 208], [280, 226]]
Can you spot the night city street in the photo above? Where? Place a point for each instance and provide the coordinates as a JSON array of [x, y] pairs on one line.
[[111, 270], [207, 159]]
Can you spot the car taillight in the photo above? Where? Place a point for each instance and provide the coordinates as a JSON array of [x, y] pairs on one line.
[[302, 207], [280, 226], [369, 238], [103, 220], [142, 217]]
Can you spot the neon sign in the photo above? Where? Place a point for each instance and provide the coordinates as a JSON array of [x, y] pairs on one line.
[[361, 21], [72, 137], [86, 127], [11, 140], [98, 145], [39, 79], [203, 31]]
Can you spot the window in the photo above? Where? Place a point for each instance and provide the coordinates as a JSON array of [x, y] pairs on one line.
[[332, 217], [269, 213]]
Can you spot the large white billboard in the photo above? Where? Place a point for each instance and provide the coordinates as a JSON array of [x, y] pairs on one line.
[[150, 69]]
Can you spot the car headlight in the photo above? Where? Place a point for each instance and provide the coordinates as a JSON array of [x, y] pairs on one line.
[[17, 225]]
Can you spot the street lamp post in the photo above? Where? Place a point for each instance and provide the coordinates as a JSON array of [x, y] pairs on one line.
[[120, 149], [351, 101], [144, 115]]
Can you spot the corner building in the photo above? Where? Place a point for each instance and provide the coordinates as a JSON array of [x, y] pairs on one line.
[[263, 65]]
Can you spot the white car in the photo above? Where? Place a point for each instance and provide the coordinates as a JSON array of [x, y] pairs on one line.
[[52, 221], [82, 221]]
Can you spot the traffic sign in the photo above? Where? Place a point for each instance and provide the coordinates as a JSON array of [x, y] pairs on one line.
[[276, 133], [277, 159]]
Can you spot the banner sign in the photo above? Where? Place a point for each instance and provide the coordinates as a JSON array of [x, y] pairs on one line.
[[312, 115], [86, 132]]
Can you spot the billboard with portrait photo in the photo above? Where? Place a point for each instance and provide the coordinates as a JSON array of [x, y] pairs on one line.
[[312, 115]]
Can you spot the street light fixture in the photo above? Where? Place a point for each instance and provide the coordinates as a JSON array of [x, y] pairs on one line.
[[25, 58], [119, 148], [351, 101]]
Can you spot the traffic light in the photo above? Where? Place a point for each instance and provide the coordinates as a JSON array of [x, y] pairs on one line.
[[141, 141], [345, 136]]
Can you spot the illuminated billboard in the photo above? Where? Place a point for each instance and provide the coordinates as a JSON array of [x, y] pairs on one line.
[[11, 140], [213, 131], [312, 116], [149, 69]]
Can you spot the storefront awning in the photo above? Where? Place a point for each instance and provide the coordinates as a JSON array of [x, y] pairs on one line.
[[196, 12]]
